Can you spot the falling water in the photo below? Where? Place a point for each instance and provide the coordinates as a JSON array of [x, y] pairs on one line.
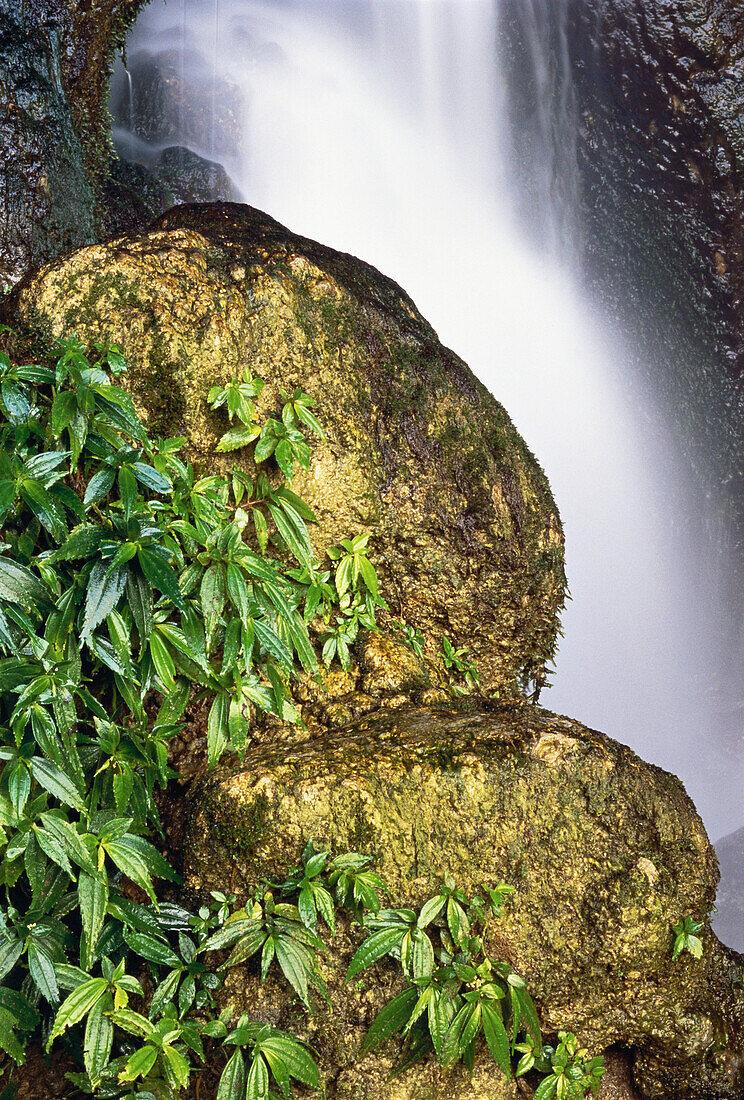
[[383, 129]]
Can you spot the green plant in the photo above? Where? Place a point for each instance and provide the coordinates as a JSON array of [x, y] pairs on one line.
[[458, 664], [455, 990], [686, 938], [412, 636], [569, 1070], [130, 586], [270, 1053]]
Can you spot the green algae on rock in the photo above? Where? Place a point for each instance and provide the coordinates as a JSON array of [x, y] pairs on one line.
[[605, 852], [465, 534]]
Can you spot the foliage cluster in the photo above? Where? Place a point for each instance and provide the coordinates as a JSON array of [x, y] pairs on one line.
[[686, 938], [129, 585]]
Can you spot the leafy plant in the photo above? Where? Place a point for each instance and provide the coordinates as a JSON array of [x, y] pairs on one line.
[[131, 586], [455, 991], [412, 636], [459, 665], [263, 1053], [686, 938], [569, 1070]]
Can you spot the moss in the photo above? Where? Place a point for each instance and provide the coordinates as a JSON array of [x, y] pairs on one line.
[[596, 842], [465, 535]]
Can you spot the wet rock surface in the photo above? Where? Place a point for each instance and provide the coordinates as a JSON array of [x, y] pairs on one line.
[[657, 90], [54, 130], [47, 204], [465, 534], [606, 853]]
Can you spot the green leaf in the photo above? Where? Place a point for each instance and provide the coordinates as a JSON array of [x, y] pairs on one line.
[[66, 835], [164, 994], [54, 849], [132, 865], [56, 782], [99, 1038], [374, 947], [528, 1014], [497, 1038], [63, 410], [93, 894], [102, 595], [272, 643], [293, 534], [369, 575], [19, 784], [153, 950], [237, 590], [246, 947], [140, 1063], [178, 1064], [233, 1082], [41, 968], [139, 598], [16, 401], [430, 909], [161, 576], [10, 953], [295, 1058], [99, 486], [212, 595], [44, 508], [218, 732], [150, 478], [257, 1086], [119, 408], [546, 1088], [19, 585], [236, 438], [154, 861], [163, 662], [391, 1019]]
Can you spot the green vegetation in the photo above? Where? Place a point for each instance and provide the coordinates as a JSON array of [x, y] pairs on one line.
[[569, 1070], [686, 938], [459, 666], [130, 589]]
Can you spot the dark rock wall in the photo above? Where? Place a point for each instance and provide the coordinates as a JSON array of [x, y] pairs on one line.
[[54, 126], [658, 96]]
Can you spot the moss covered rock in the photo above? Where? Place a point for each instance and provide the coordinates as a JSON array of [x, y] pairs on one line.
[[606, 854], [466, 536]]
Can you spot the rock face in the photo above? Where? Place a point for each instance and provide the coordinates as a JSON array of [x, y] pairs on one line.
[[137, 192], [606, 853], [47, 203], [466, 536], [656, 95], [54, 131]]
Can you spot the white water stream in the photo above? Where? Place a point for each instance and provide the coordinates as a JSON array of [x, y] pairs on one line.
[[379, 127]]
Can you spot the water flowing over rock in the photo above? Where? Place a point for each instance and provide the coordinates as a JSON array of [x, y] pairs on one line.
[[658, 95], [606, 854], [465, 533]]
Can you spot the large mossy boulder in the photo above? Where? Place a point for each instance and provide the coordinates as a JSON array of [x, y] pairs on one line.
[[606, 854], [465, 534]]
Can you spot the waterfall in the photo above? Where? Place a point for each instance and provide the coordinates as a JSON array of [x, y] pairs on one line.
[[384, 128]]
